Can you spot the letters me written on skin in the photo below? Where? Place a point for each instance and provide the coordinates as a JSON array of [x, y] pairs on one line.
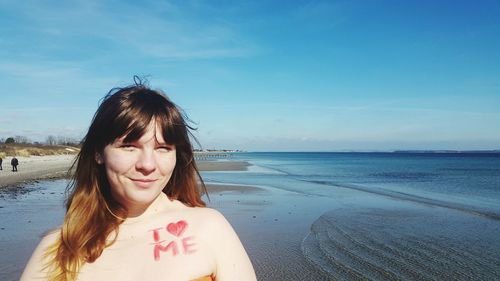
[[177, 230]]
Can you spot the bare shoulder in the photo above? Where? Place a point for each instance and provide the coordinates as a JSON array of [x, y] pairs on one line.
[[209, 223], [210, 219], [50, 237], [231, 259], [34, 270], [208, 213], [206, 221]]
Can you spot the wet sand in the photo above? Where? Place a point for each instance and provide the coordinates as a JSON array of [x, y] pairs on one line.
[[271, 224], [222, 165]]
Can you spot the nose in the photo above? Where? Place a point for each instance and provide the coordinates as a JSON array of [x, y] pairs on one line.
[[146, 163]]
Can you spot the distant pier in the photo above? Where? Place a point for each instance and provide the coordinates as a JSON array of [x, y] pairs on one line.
[[212, 155]]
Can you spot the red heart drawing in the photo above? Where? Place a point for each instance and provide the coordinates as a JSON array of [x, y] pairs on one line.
[[178, 228]]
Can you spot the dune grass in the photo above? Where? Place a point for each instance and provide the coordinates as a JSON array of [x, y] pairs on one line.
[[27, 150]]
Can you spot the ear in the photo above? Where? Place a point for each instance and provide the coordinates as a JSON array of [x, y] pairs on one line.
[[98, 158]]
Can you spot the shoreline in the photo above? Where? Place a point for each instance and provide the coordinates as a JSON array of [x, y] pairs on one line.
[[35, 168]]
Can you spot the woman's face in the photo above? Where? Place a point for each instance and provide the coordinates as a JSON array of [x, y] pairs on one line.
[[138, 171]]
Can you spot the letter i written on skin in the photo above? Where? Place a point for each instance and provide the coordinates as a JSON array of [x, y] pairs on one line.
[[156, 234]]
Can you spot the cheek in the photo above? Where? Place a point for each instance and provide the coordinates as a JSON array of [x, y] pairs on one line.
[[168, 164], [116, 163]]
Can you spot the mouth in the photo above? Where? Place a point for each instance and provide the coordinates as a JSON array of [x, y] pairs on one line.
[[143, 182]]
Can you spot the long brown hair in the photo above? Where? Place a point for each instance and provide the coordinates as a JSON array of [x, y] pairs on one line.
[[92, 214]]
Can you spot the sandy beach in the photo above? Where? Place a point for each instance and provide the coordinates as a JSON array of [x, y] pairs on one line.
[[35, 168]]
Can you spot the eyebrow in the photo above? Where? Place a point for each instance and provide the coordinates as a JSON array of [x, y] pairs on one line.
[[165, 143]]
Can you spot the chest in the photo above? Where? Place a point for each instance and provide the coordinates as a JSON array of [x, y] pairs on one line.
[[156, 252]]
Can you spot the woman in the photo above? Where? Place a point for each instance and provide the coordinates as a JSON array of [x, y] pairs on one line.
[[134, 210]]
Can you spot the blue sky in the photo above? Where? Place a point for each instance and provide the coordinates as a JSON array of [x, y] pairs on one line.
[[263, 75]]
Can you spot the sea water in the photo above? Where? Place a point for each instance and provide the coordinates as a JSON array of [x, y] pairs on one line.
[[432, 216]]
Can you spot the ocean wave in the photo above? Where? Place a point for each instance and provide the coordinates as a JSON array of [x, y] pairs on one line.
[[413, 198], [413, 176]]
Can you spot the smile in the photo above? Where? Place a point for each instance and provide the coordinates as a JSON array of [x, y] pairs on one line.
[[143, 182]]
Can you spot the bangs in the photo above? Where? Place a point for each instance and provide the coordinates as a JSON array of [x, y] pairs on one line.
[[136, 129], [128, 113], [130, 123], [172, 128], [171, 131], [165, 115]]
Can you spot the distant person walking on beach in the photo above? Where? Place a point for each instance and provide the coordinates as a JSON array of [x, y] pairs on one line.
[[134, 210], [14, 162], [1, 160]]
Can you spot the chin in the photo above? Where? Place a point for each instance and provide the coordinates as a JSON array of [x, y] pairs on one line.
[[144, 197]]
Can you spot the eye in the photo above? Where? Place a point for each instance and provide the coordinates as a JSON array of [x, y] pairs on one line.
[[165, 148], [127, 146]]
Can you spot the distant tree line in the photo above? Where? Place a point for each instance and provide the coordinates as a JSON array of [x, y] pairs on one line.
[[61, 140], [50, 140]]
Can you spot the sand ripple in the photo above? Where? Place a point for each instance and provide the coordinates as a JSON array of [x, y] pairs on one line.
[[376, 245]]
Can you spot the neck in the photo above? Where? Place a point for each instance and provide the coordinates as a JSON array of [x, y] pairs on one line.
[[139, 212]]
